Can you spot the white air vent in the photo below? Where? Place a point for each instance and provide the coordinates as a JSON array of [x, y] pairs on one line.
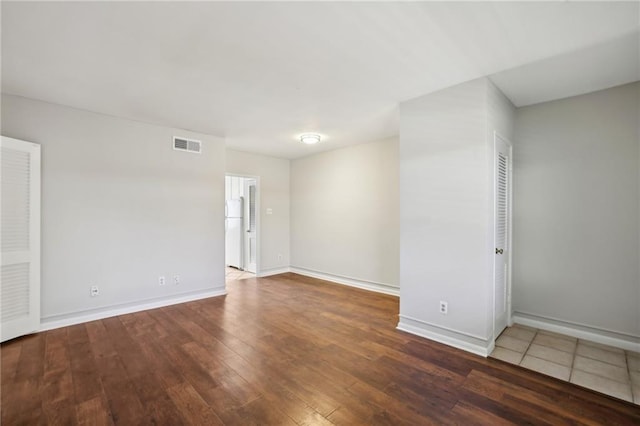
[[189, 145]]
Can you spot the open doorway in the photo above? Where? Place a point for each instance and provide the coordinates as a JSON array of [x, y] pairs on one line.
[[241, 227]]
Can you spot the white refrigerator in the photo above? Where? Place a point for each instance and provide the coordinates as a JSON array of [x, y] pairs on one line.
[[234, 238]]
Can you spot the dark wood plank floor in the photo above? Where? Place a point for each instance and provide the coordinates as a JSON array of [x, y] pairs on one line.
[[284, 350]]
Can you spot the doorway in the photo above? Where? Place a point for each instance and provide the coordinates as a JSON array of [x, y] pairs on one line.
[[502, 234], [241, 226]]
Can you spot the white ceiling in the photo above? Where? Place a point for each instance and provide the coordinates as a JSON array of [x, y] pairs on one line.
[[597, 67], [262, 73]]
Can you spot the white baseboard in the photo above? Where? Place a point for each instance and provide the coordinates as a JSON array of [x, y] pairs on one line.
[[351, 282], [446, 336], [65, 320], [273, 271], [580, 331]]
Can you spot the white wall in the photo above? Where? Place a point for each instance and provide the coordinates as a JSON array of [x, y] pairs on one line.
[[446, 215], [501, 115], [344, 215], [120, 208], [576, 183], [273, 195]]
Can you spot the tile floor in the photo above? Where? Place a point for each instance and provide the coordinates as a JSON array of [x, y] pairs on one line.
[[605, 369], [233, 274]]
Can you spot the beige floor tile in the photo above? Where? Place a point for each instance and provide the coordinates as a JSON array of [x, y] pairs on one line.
[[557, 335], [635, 378], [601, 384], [232, 274], [601, 369], [519, 333], [633, 362], [550, 354], [593, 352], [524, 327], [546, 367], [555, 342], [512, 343], [507, 355], [601, 346]]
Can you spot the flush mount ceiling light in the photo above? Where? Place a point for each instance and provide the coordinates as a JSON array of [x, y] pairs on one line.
[[310, 138]]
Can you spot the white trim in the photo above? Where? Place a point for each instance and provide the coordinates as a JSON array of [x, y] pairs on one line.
[[273, 271], [247, 183], [419, 322], [348, 281], [65, 320], [459, 340], [580, 331], [36, 232]]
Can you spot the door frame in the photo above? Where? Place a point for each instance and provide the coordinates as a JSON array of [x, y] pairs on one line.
[[246, 261], [258, 214], [496, 136]]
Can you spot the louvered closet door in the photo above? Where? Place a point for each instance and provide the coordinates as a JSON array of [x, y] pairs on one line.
[[502, 217], [20, 238]]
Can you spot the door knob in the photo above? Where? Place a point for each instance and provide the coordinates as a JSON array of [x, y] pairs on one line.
[[499, 251]]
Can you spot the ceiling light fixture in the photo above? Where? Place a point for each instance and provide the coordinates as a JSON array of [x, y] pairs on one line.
[[310, 138]]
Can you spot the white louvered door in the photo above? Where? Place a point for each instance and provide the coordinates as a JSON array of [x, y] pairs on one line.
[[20, 238], [502, 229]]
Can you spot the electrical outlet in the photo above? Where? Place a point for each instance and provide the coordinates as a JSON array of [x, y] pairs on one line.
[[161, 280], [280, 257], [176, 279], [94, 291], [444, 307]]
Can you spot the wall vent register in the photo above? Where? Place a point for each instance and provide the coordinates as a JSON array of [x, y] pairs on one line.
[[187, 145]]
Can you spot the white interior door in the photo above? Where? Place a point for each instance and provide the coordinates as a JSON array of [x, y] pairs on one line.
[[20, 235], [250, 226], [502, 238]]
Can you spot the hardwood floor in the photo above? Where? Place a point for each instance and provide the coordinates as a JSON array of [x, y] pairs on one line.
[[284, 350]]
